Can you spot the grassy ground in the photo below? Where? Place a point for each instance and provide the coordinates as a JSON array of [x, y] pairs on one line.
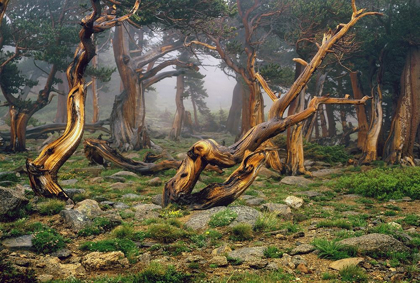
[[322, 221]]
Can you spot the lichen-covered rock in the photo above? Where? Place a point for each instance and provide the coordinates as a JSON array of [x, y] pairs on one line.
[[89, 208], [104, 261], [248, 254], [294, 202], [296, 181], [146, 211], [75, 220], [375, 243], [18, 243], [11, 200]]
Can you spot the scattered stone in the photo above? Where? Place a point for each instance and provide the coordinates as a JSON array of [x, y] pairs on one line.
[[19, 243], [300, 234], [296, 181], [302, 249], [104, 261], [268, 174], [155, 182], [62, 254], [75, 219], [254, 201], [248, 254], [342, 263], [219, 260], [130, 196], [53, 266], [326, 172], [246, 197], [115, 179], [157, 199], [302, 268], [280, 209], [375, 243], [107, 202], [69, 182], [145, 258], [45, 277], [286, 260], [200, 219], [294, 202], [125, 174], [272, 266], [120, 205], [132, 155], [96, 180], [321, 163], [298, 260], [119, 186], [308, 162], [352, 196], [395, 225], [350, 213], [10, 200], [146, 211], [221, 250], [194, 258], [310, 194], [72, 192], [406, 199], [89, 207], [258, 263]]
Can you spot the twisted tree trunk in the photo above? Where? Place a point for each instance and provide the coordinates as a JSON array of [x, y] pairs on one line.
[[43, 170], [234, 117], [180, 109], [360, 111]]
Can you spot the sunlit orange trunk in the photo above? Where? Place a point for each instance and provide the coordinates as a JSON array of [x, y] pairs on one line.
[[400, 142], [360, 111]]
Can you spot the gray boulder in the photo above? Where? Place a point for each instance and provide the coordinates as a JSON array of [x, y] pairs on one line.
[[75, 219], [11, 200], [19, 243], [146, 211], [375, 243], [296, 181], [248, 254], [302, 249], [89, 207]]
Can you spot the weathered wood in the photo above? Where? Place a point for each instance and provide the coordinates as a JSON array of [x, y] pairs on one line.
[[43, 170], [360, 111]]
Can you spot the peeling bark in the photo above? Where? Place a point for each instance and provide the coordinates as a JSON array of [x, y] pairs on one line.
[[234, 117], [360, 111], [406, 120]]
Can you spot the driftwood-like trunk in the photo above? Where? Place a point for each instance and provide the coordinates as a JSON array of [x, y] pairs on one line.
[[99, 152], [204, 152], [180, 109], [360, 111], [406, 120], [43, 170]]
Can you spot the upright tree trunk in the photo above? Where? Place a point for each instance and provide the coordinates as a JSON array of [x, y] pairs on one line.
[[95, 103], [332, 130], [180, 109], [400, 142], [61, 114], [196, 123], [233, 120], [360, 111], [252, 107], [128, 126]]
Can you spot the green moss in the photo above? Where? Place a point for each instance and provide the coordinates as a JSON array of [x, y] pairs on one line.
[[222, 218], [47, 241], [127, 246], [51, 207], [165, 233]]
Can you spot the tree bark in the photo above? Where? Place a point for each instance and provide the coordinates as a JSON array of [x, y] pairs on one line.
[[180, 110], [332, 130], [360, 111], [61, 114], [43, 170], [95, 103], [233, 120], [196, 123], [400, 142]]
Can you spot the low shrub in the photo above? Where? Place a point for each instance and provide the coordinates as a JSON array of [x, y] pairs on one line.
[[162, 274], [242, 232], [9, 274], [333, 250], [353, 273], [272, 252], [222, 218], [51, 207], [127, 246], [165, 233], [47, 241], [383, 183]]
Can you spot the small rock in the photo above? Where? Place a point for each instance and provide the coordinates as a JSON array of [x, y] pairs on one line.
[[254, 201], [286, 260], [406, 199], [342, 263], [326, 172], [258, 263], [69, 182], [375, 242], [294, 202], [10, 200], [155, 182], [119, 186], [268, 174], [221, 250], [395, 225], [125, 174], [96, 180], [88, 207], [146, 211], [107, 202], [281, 210], [75, 219], [272, 266], [45, 277], [302, 249], [298, 260], [296, 181], [248, 254], [62, 254], [91, 171], [19, 243], [72, 192], [302, 268], [310, 194], [145, 258], [194, 258], [130, 196], [104, 261], [157, 199], [120, 206], [219, 260]]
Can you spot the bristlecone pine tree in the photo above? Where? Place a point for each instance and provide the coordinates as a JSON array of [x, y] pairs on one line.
[[246, 150]]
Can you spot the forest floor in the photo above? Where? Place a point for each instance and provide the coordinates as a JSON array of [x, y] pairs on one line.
[[117, 234]]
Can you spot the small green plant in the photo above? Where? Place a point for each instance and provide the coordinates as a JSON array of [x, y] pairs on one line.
[[353, 273], [222, 218], [47, 241], [267, 222], [99, 226], [51, 207], [272, 252], [127, 246], [339, 223], [234, 261], [412, 219], [194, 265], [123, 231], [162, 274], [329, 154], [165, 233], [333, 250], [328, 276], [242, 232], [390, 213]]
